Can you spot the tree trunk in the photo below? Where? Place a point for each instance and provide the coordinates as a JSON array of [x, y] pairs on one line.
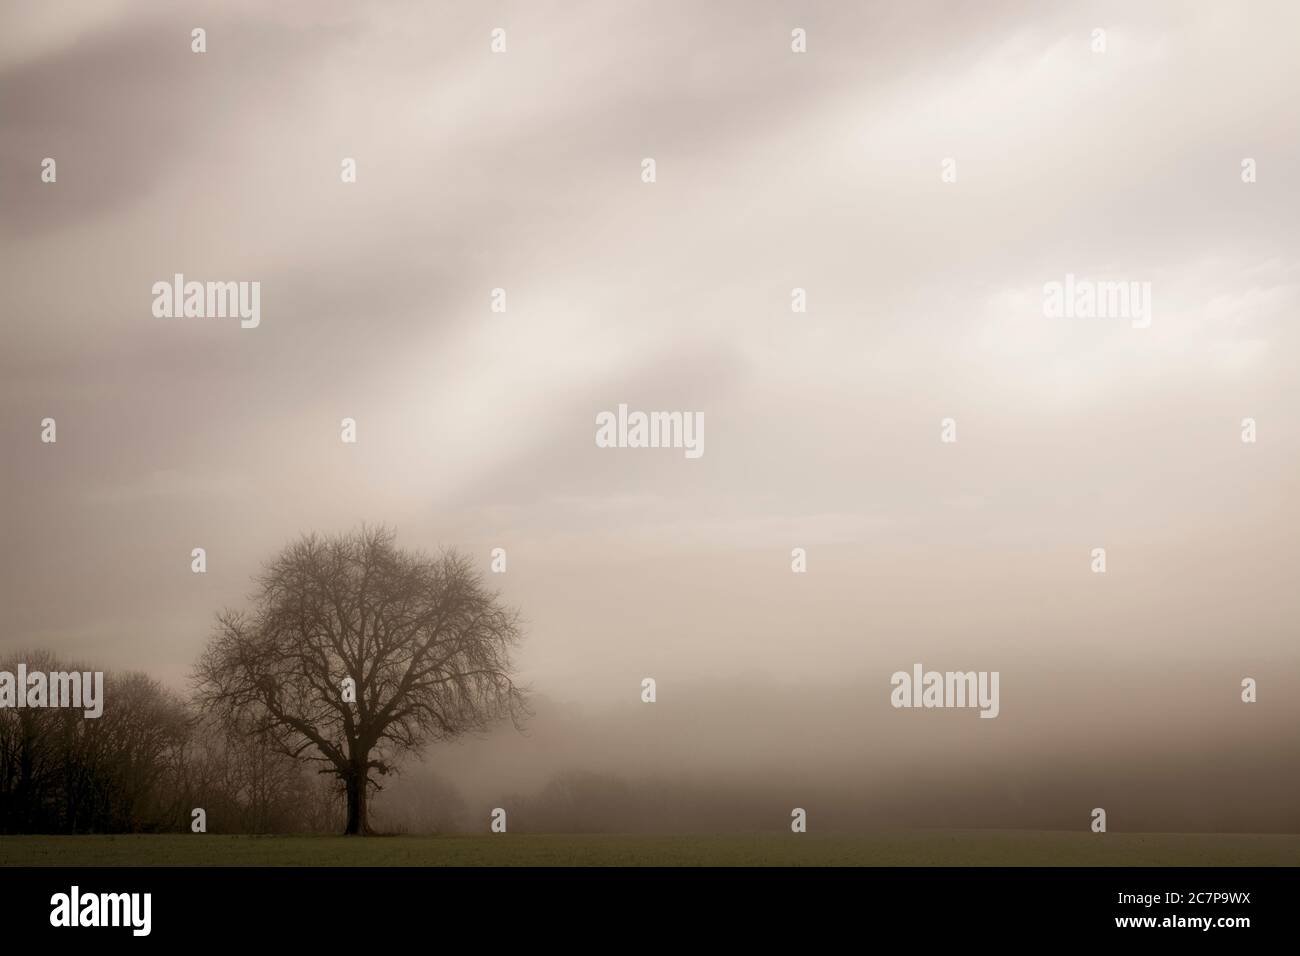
[[358, 818]]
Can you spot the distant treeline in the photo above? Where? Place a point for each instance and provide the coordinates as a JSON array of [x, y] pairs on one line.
[[144, 766]]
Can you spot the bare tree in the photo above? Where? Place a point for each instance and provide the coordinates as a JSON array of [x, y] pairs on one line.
[[357, 652]]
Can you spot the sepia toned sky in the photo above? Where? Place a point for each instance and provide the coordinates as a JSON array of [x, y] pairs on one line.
[[774, 170]]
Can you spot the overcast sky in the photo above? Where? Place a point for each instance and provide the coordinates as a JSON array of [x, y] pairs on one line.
[[775, 170]]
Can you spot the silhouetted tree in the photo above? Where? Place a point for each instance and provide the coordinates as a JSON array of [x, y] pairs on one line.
[[419, 643]]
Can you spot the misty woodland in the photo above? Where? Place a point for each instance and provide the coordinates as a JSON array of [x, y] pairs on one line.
[[354, 655]]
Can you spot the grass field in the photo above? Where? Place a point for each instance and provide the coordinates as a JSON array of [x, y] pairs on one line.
[[933, 848]]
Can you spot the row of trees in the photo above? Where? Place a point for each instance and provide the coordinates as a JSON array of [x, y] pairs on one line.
[[143, 766], [353, 655]]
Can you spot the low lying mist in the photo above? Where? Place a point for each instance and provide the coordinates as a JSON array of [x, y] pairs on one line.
[[1160, 751]]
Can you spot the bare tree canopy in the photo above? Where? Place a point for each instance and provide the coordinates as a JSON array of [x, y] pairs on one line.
[[356, 652]]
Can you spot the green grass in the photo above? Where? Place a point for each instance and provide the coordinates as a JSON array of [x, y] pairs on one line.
[[926, 848]]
